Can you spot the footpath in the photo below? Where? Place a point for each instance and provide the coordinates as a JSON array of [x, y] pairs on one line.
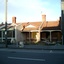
[[35, 47]]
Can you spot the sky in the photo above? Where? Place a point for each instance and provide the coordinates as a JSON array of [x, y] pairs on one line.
[[30, 10]]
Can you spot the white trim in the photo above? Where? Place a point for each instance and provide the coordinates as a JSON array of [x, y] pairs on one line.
[[49, 30], [15, 32], [41, 31], [31, 31], [2, 26], [30, 26]]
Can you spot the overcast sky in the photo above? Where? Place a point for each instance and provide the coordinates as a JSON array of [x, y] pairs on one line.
[[31, 10]]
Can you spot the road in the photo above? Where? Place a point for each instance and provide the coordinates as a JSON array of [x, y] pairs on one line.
[[20, 56]]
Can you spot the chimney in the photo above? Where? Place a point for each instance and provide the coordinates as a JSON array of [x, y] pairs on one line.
[[13, 19], [44, 18], [60, 21]]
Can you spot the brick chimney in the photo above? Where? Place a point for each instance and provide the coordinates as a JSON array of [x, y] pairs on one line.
[[44, 18], [13, 19], [60, 21]]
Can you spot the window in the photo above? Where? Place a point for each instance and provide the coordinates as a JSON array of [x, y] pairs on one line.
[[9, 33], [13, 33], [0, 34], [3, 33]]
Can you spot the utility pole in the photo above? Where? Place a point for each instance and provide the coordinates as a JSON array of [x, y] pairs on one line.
[[6, 23], [62, 20]]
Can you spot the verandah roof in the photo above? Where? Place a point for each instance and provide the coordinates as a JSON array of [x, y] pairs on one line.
[[8, 28]]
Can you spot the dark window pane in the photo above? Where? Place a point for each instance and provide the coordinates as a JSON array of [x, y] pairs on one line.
[[3, 33], [9, 33], [14, 33], [0, 33]]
